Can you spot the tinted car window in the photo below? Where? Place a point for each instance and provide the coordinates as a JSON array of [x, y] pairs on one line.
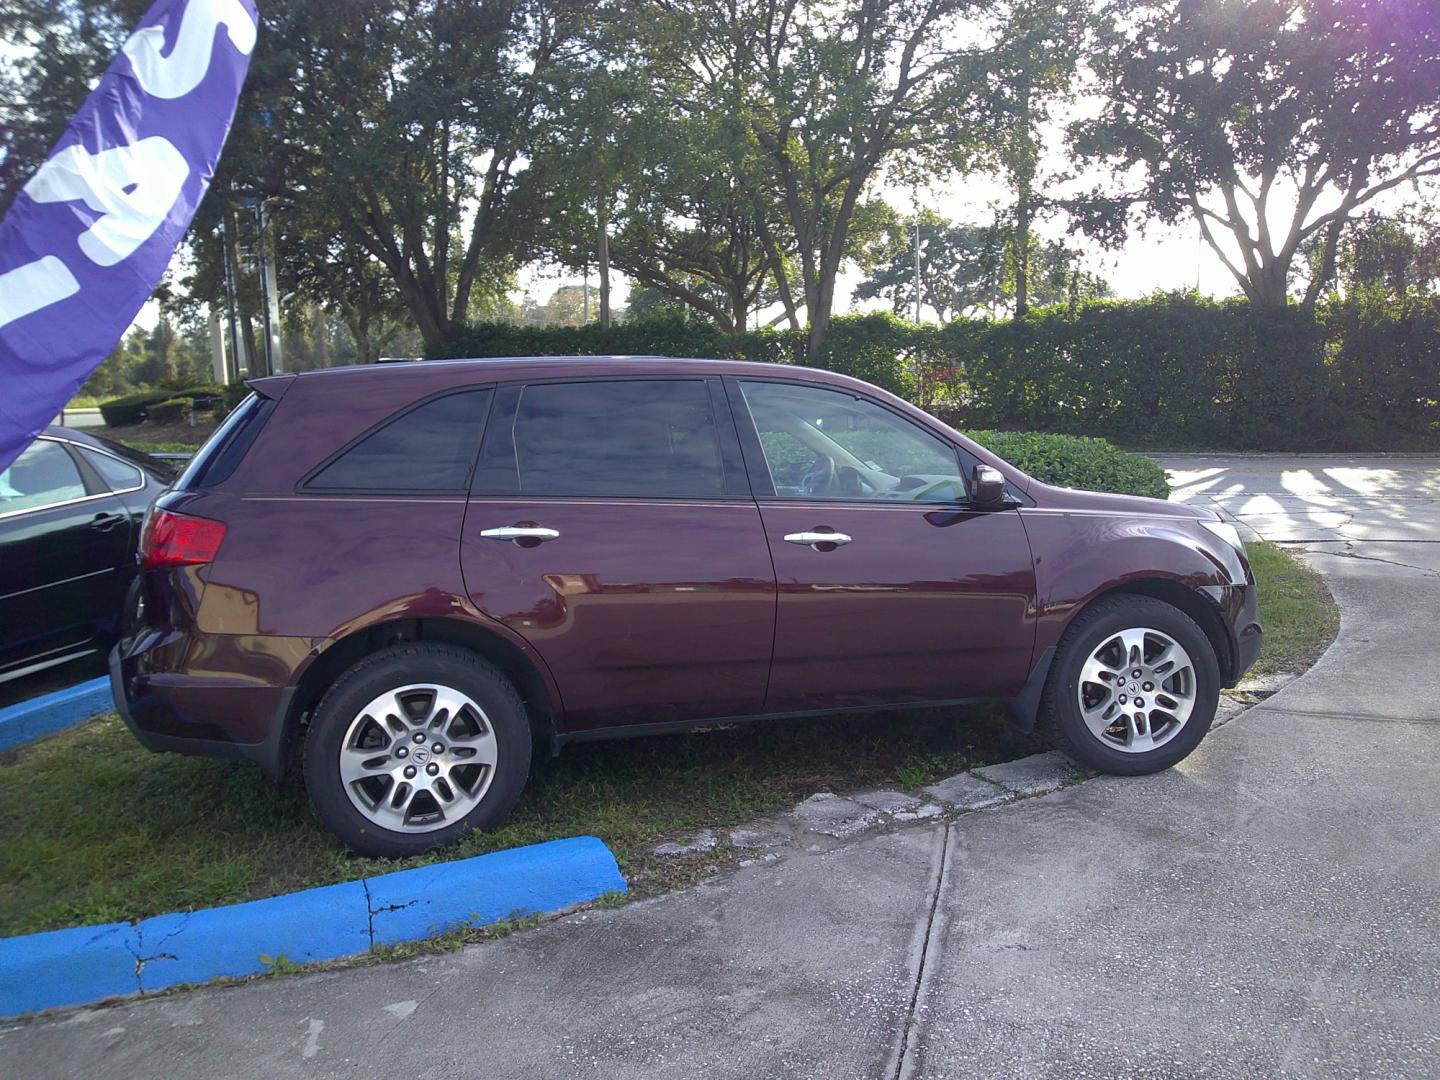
[[828, 444], [43, 475], [216, 460], [641, 438], [429, 448], [118, 475]]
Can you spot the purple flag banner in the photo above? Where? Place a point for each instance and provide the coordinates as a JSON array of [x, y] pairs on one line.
[[89, 237]]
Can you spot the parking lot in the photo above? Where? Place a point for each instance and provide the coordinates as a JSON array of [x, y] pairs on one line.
[[1267, 908]]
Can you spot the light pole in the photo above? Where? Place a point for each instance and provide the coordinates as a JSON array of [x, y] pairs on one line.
[[917, 269]]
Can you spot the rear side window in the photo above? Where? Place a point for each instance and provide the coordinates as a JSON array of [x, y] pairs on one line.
[[224, 450], [118, 475], [652, 438], [429, 448]]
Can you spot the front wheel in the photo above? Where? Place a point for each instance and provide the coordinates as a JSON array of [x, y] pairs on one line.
[[415, 746], [1133, 688]]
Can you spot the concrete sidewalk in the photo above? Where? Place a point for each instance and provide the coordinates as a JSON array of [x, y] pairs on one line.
[[1266, 909]]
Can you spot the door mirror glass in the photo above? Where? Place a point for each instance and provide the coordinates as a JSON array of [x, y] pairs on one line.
[[830, 444], [988, 488]]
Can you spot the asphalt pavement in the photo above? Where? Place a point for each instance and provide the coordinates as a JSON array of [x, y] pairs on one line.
[[1268, 908]]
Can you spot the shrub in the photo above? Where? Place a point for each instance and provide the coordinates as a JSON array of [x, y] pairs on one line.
[[1170, 370], [139, 406], [1077, 462], [171, 411], [130, 409]]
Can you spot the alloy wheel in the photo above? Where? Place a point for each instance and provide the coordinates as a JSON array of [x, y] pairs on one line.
[[1137, 690], [418, 758]]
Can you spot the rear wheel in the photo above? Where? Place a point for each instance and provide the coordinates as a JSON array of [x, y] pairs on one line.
[[415, 746], [1133, 688]]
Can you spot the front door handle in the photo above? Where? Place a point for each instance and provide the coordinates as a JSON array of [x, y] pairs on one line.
[[815, 539], [537, 533], [106, 522]]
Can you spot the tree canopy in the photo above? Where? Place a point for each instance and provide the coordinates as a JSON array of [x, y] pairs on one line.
[[1270, 122]]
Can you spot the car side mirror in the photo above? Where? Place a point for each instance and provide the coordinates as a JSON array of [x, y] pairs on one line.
[[987, 486]]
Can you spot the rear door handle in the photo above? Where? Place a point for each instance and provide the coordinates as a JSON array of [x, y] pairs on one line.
[[520, 532], [815, 539]]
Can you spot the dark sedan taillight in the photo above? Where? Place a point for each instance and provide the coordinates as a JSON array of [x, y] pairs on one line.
[[172, 539]]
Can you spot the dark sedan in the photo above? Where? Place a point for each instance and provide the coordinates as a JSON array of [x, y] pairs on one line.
[[70, 512]]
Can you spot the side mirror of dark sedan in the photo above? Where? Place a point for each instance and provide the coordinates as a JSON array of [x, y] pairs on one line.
[[987, 486]]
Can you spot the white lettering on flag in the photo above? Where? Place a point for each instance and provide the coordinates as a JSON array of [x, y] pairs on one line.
[[179, 73], [133, 186], [33, 286]]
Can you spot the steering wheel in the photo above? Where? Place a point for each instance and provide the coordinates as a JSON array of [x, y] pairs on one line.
[[819, 477]]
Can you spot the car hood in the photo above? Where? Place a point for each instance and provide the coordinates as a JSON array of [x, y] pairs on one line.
[[1058, 498]]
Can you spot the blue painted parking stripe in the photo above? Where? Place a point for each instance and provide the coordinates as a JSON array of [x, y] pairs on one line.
[[50, 713], [85, 964]]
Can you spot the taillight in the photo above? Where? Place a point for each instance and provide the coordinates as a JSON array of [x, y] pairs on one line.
[[172, 539]]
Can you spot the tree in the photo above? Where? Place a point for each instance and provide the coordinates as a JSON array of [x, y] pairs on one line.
[[1268, 121], [1396, 258], [1038, 54], [972, 270], [962, 267], [827, 96]]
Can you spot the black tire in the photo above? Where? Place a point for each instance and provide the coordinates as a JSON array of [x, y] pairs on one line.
[[397, 666], [1060, 715]]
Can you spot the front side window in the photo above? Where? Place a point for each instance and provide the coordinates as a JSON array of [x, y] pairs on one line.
[[638, 438], [43, 475], [428, 449], [829, 444]]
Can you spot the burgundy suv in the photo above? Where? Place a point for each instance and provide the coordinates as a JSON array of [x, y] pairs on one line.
[[420, 567]]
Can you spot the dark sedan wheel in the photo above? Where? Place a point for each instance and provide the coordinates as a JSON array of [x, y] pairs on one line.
[[414, 747], [1133, 688]]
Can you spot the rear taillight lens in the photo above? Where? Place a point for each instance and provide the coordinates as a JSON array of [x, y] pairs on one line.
[[172, 539]]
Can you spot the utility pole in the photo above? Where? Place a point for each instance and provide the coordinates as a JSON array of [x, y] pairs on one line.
[[917, 269], [269, 294], [240, 363], [585, 293]]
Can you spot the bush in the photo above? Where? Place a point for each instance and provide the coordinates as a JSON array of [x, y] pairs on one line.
[[130, 409], [168, 412], [139, 406], [1171, 370], [1077, 462]]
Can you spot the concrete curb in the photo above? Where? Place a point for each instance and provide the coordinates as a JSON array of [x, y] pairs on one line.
[[50, 713], [85, 964]]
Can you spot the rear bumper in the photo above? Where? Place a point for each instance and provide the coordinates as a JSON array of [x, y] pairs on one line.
[[175, 713]]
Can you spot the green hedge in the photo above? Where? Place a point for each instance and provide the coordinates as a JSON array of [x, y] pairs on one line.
[[1077, 462], [134, 408], [1171, 370]]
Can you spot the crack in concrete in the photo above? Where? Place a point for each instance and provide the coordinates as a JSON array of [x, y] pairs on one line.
[[1320, 714], [904, 1061], [141, 961], [369, 912], [1350, 554]]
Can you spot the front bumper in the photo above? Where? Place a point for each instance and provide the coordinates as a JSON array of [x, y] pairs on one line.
[[1241, 607]]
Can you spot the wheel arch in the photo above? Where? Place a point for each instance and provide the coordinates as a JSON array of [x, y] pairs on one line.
[[524, 670], [1186, 599]]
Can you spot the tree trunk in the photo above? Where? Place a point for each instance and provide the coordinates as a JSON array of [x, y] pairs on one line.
[[603, 252], [1024, 166], [1024, 212]]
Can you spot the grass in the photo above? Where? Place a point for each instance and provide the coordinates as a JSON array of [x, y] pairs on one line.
[[1296, 610], [93, 828], [146, 447]]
